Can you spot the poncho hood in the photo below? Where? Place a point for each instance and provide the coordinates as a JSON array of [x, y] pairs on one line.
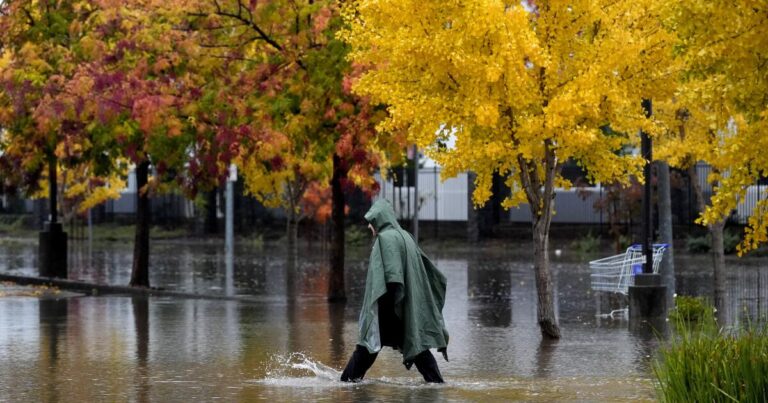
[[382, 216], [420, 288]]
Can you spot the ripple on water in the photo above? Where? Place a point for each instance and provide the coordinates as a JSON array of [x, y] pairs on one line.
[[299, 370]]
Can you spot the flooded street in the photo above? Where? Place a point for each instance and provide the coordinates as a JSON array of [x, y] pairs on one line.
[[291, 344]]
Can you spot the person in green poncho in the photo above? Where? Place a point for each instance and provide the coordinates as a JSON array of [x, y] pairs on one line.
[[403, 302]]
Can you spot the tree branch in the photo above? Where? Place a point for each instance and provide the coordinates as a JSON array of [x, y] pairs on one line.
[[525, 178]]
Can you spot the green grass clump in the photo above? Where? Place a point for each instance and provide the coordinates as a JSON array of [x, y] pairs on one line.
[[14, 225], [126, 233], [706, 364], [691, 311], [586, 245]]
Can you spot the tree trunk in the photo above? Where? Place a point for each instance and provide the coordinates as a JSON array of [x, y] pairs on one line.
[[140, 271], [716, 248], [541, 195], [665, 229], [53, 189], [545, 312], [292, 229], [718, 262], [473, 232], [336, 292], [211, 212]]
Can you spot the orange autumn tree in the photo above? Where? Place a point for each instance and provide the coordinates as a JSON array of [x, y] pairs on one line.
[[523, 87], [142, 96], [43, 138], [307, 130]]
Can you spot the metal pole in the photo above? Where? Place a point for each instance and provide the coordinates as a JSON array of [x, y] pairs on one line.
[[647, 296], [90, 234], [601, 209], [407, 191], [690, 202], [416, 193], [229, 233], [434, 178], [647, 153]]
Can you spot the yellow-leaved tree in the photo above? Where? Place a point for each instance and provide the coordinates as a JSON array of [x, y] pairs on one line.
[[723, 47], [691, 136], [719, 113], [522, 86]]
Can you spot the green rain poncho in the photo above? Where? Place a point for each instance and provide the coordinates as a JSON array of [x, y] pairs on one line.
[[418, 287]]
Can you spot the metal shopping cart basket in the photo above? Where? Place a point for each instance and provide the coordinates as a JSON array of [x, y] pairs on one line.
[[616, 273]]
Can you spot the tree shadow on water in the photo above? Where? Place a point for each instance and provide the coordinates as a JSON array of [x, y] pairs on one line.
[[141, 327], [53, 315]]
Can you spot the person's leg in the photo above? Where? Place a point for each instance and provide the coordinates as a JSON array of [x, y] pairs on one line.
[[358, 365], [427, 367]]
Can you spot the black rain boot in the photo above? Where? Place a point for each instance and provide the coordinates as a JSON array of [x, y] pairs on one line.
[[427, 367], [358, 365]]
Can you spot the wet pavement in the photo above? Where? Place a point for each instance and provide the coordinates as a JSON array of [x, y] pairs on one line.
[[291, 345]]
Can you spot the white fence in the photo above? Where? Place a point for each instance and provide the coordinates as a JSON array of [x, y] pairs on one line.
[[441, 201]]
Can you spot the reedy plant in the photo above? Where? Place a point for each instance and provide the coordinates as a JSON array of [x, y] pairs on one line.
[[707, 363]]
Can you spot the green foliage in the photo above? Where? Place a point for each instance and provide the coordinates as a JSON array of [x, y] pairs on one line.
[[127, 233], [255, 240], [586, 245], [691, 311], [731, 240], [624, 241], [703, 244], [11, 224], [698, 244], [357, 235], [709, 365]]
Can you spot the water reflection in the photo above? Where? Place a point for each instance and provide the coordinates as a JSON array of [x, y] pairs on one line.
[[489, 280], [491, 275], [141, 327], [162, 349], [336, 345], [544, 353], [490, 290], [647, 334], [52, 315]]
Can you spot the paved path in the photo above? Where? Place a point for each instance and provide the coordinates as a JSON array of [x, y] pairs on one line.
[[55, 288], [11, 289]]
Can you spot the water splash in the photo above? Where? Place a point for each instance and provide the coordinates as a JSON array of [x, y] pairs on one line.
[[300, 370], [303, 362]]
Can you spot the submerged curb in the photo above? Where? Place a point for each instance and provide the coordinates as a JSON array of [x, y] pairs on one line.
[[96, 289]]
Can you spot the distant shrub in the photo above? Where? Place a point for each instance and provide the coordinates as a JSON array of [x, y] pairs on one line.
[[698, 244], [586, 245], [703, 244], [731, 240], [11, 223], [357, 235], [691, 310], [255, 240]]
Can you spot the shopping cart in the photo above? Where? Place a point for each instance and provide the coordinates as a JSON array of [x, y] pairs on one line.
[[616, 273]]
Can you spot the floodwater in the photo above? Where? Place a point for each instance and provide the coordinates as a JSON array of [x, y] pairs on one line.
[[291, 344]]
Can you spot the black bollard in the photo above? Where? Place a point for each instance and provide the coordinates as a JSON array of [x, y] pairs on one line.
[[52, 245], [647, 297], [53, 251]]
